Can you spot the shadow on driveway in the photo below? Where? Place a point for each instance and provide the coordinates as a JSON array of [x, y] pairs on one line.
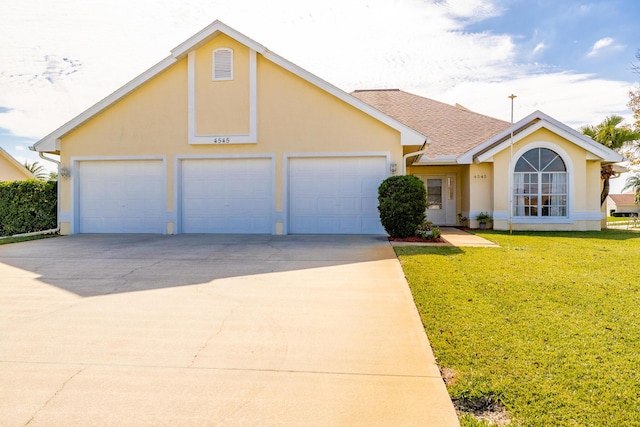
[[91, 265]]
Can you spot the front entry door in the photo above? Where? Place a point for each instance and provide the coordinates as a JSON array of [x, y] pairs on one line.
[[441, 200]]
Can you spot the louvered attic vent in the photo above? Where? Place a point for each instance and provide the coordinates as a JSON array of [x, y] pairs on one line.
[[223, 64]]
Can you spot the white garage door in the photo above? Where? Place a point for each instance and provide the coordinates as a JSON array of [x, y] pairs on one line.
[[336, 195], [123, 196], [226, 196]]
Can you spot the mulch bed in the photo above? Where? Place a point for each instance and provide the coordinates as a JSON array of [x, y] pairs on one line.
[[416, 239]]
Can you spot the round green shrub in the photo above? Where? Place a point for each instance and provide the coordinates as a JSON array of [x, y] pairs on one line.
[[402, 201]]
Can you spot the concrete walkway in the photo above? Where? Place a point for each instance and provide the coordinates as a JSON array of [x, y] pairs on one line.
[[453, 237], [195, 330]]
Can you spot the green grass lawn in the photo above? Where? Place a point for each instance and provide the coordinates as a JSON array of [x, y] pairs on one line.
[[547, 324]]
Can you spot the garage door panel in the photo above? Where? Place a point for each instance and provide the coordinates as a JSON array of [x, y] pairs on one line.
[[226, 195], [121, 196], [335, 195]]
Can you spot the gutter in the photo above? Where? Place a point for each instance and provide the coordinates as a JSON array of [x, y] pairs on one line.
[[415, 153]]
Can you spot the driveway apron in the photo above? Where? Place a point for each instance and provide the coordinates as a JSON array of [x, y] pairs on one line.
[[220, 330]]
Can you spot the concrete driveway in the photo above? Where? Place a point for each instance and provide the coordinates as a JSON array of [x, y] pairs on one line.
[[213, 330]]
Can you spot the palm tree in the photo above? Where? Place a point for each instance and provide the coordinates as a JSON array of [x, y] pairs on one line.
[[612, 133], [633, 182], [37, 170]]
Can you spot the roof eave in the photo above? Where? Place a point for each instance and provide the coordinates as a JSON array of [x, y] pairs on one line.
[[51, 142], [530, 124]]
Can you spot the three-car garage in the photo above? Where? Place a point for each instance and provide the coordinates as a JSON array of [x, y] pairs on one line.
[[321, 195]]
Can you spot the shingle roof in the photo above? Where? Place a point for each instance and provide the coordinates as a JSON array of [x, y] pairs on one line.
[[623, 199], [453, 130]]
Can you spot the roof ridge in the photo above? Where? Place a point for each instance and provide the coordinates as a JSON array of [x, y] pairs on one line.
[[456, 107]]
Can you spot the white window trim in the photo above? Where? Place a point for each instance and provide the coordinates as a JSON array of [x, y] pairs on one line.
[[193, 136], [213, 64], [570, 177]]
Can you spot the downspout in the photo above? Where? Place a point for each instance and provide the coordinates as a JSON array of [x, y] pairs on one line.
[[406, 156]]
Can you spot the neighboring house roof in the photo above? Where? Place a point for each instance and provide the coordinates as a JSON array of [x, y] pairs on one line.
[[11, 168], [452, 130], [50, 143], [623, 199]]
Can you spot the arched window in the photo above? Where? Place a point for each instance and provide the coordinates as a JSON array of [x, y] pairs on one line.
[[540, 185], [223, 64]]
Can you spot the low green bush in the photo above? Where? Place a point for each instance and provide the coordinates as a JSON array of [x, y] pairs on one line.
[[27, 206], [402, 201], [427, 230]]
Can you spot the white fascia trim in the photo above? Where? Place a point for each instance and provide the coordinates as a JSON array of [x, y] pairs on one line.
[[408, 136], [204, 35], [570, 136], [600, 151], [340, 154], [51, 142], [108, 158], [193, 137]]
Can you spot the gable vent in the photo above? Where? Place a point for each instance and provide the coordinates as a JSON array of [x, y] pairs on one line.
[[223, 64]]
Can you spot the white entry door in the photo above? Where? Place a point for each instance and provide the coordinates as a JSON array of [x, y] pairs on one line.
[[335, 195], [441, 198], [120, 196], [226, 195]]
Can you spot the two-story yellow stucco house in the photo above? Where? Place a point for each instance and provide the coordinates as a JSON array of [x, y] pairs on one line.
[[224, 136], [11, 169]]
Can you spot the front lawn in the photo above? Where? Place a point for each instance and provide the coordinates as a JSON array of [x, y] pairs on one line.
[[547, 325]]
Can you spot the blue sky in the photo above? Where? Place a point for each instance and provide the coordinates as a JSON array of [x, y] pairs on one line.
[[561, 34], [568, 58]]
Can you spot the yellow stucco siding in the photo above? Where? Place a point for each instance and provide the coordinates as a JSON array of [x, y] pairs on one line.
[[481, 196], [294, 116], [222, 106]]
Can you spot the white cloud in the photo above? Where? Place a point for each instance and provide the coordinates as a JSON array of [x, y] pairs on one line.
[[606, 43], [20, 148], [567, 97], [539, 48]]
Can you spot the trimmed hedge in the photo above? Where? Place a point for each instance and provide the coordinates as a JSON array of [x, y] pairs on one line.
[[402, 201], [27, 206]]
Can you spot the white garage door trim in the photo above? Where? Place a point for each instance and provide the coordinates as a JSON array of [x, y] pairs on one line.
[[76, 162], [385, 156], [269, 188]]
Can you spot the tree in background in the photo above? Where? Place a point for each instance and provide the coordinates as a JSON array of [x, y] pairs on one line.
[[37, 170], [612, 133], [634, 95], [633, 183]]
